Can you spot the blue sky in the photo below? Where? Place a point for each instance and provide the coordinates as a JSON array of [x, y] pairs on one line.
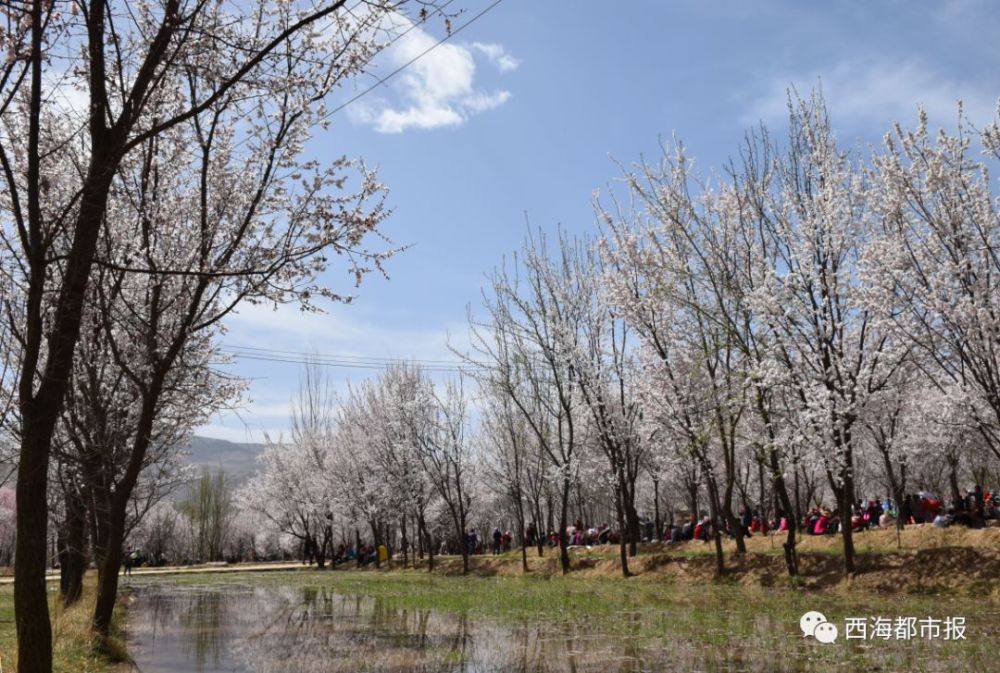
[[522, 113]]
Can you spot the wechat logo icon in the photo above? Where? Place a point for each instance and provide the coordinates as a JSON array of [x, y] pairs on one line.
[[814, 624]]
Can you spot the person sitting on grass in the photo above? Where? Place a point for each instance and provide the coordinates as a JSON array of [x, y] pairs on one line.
[[972, 518], [701, 530], [811, 519], [978, 517], [943, 519], [758, 524], [858, 522], [990, 509], [687, 532], [822, 526], [931, 507], [873, 512]]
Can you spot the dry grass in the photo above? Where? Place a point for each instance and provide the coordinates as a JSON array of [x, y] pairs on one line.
[[923, 536], [74, 648], [924, 560]]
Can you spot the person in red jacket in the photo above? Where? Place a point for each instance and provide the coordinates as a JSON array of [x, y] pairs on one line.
[[822, 524]]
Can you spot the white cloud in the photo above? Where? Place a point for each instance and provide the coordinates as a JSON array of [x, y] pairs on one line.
[[497, 55], [483, 102], [876, 92], [437, 90]]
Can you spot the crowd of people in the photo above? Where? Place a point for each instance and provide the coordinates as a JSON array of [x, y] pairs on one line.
[[497, 543], [972, 510]]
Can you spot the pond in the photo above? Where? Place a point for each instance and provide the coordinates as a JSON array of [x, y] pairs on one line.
[[232, 628]]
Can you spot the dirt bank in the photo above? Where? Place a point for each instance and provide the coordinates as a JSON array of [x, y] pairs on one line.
[[922, 560]]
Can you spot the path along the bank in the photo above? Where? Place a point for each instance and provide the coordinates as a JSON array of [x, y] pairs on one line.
[[201, 569]]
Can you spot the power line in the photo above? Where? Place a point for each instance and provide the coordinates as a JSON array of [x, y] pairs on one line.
[[413, 60], [344, 361], [344, 365], [359, 358]]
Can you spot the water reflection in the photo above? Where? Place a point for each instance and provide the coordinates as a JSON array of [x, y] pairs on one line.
[[175, 629]]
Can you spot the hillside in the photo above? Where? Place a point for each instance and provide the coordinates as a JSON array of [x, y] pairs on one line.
[[237, 459]]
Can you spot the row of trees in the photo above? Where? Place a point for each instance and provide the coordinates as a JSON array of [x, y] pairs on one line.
[[155, 172], [810, 325], [391, 457]]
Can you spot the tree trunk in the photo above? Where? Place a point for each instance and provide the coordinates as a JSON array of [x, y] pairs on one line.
[[550, 521], [107, 576], [956, 494], [656, 509], [762, 498], [321, 549], [634, 532], [405, 541], [620, 511], [713, 508], [846, 531], [430, 542], [692, 494], [375, 538], [736, 525], [524, 547], [31, 607], [539, 536], [420, 543], [72, 556], [798, 499], [847, 502], [791, 556], [460, 524], [563, 522]]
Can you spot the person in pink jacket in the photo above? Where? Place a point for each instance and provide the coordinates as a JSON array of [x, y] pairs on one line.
[[822, 525]]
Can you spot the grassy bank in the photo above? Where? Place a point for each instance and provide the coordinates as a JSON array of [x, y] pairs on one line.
[[911, 538], [922, 561], [73, 646]]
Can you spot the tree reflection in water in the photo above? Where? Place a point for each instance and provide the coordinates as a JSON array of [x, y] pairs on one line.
[[209, 629]]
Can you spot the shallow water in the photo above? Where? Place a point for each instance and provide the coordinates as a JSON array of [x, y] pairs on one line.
[[175, 629], [238, 629]]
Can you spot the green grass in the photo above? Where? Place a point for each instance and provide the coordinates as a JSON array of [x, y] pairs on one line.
[[73, 646]]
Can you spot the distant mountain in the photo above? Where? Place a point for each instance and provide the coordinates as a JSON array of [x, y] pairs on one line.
[[238, 460]]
